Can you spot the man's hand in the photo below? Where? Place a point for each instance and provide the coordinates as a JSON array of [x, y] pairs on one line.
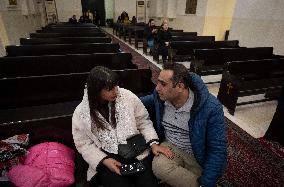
[[154, 30], [157, 149], [112, 165]]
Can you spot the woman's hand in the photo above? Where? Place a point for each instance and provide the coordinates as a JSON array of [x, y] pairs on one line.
[[157, 149], [113, 165]]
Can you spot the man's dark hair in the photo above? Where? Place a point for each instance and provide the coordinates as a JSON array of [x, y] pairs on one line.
[[150, 20], [180, 74]]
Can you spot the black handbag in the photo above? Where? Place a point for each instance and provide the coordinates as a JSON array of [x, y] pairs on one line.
[[134, 147]]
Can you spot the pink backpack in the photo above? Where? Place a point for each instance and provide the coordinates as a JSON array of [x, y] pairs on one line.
[[48, 164]]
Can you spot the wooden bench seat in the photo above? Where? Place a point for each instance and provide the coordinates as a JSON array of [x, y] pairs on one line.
[[211, 61], [251, 77]]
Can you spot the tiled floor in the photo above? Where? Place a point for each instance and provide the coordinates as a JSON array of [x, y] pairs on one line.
[[253, 118]]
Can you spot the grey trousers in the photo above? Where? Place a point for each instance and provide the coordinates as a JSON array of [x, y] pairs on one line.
[[182, 171]]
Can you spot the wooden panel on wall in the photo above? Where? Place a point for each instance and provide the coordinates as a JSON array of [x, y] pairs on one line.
[[191, 6]]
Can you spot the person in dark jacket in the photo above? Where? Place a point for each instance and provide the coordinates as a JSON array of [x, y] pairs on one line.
[[190, 121], [73, 19], [163, 39], [150, 32]]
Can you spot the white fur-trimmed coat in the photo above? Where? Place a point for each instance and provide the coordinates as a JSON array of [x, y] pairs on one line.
[[131, 118]]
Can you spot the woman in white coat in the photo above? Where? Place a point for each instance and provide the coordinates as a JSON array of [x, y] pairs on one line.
[[105, 118]]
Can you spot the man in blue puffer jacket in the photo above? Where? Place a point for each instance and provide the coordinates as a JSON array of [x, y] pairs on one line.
[[190, 122]]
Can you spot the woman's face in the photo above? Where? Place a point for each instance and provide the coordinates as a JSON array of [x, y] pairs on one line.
[[109, 95], [165, 26]]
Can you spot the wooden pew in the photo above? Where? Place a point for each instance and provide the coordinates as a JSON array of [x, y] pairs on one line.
[[184, 38], [67, 24], [184, 33], [176, 36], [138, 36], [68, 29], [31, 91], [211, 61], [23, 66], [184, 49], [76, 34], [226, 44], [24, 99], [61, 49], [64, 40], [275, 130], [251, 77]]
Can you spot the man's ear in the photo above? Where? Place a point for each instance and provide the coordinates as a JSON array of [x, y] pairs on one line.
[[180, 85]]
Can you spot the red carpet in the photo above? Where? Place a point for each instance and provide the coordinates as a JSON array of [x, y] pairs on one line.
[[251, 162]]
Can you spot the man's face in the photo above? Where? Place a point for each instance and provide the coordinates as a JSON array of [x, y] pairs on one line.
[[152, 23], [165, 87]]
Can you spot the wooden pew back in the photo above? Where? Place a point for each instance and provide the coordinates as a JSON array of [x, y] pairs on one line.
[[76, 34], [24, 66], [68, 29], [64, 40], [61, 49], [43, 90]]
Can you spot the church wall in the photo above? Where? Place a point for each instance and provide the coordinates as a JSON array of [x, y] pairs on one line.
[[17, 21], [259, 23], [156, 10], [124, 5], [67, 8], [109, 9], [190, 22], [218, 18]]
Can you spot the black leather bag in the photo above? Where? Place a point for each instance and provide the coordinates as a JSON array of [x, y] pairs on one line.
[[134, 147]]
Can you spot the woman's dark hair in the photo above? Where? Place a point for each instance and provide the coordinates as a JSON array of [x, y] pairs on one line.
[[100, 78], [180, 74]]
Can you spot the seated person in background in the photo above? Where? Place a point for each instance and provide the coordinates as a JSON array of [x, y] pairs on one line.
[[124, 15], [124, 18], [150, 33], [73, 19], [105, 118], [90, 16], [133, 20], [163, 39], [86, 17], [118, 19], [190, 121], [96, 18], [81, 20]]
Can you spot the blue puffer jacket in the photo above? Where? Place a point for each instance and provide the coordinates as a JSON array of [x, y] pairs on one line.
[[206, 126]]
